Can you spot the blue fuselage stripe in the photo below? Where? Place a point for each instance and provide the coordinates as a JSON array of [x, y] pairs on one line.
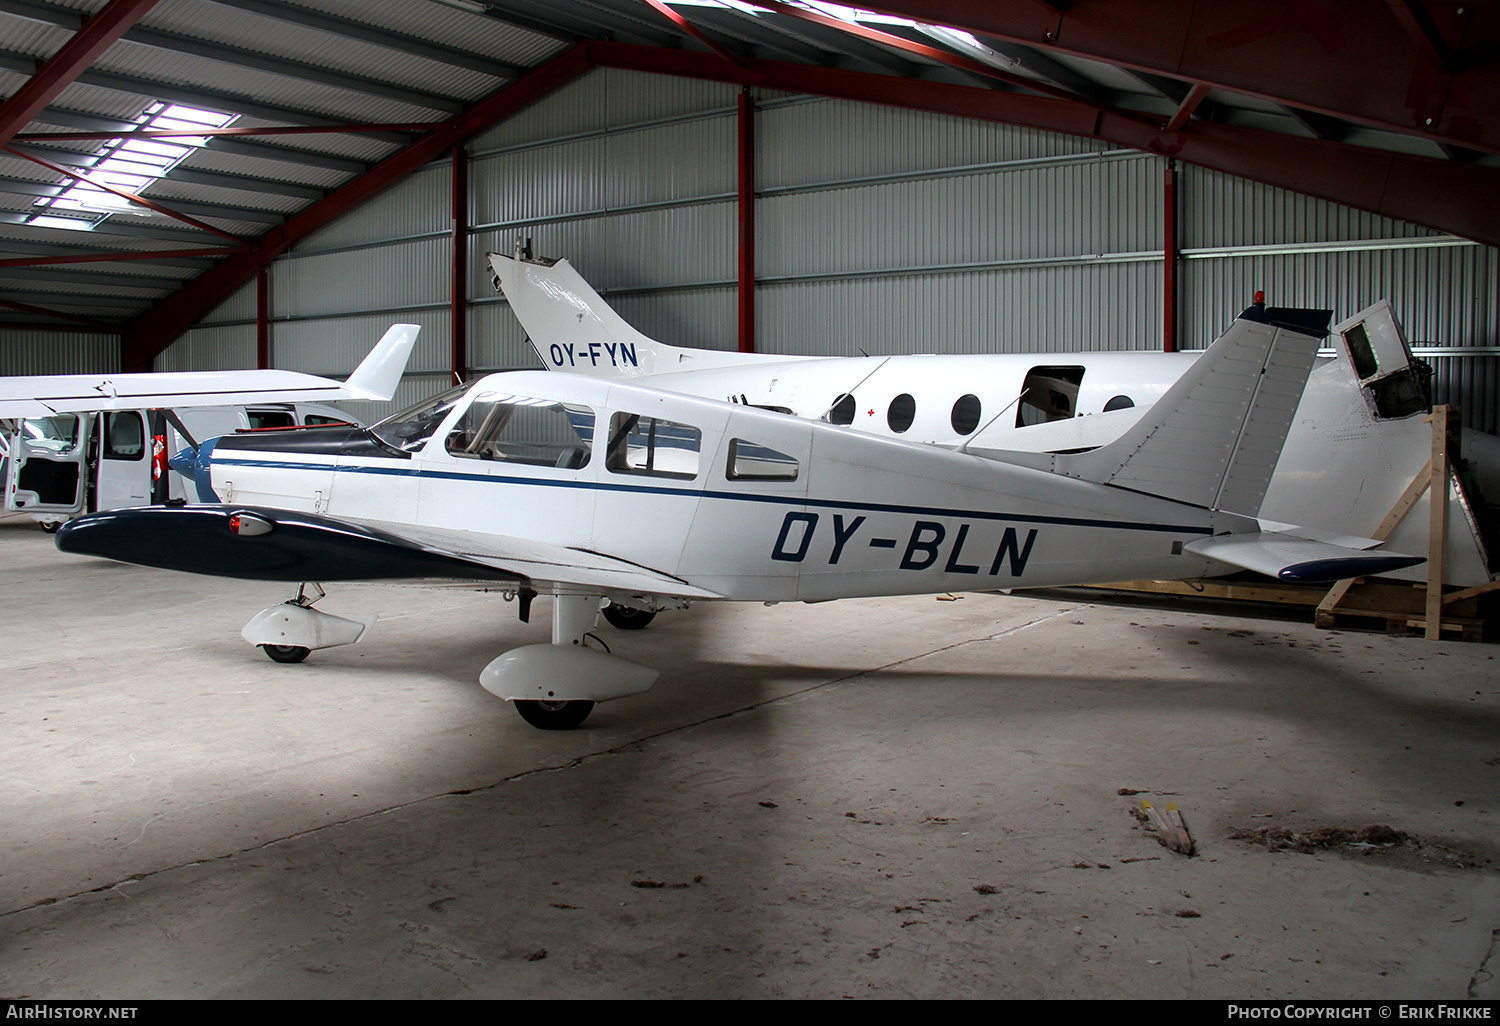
[[783, 500]]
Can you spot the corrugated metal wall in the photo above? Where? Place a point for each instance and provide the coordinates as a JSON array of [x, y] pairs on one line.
[[878, 230], [58, 352]]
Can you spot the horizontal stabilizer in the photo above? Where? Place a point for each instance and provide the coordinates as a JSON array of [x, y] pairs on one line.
[[1290, 558]]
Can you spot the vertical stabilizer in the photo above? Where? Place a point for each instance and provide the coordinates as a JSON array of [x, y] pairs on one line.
[[570, 326], [573, 329], [1213, 440]]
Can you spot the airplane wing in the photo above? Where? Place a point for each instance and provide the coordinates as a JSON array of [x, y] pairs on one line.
[[375, 379], [254, 543]]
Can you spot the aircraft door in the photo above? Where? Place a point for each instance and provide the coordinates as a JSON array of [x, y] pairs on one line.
[[123, 474], [515, 465], [49, 464], [653, 463]]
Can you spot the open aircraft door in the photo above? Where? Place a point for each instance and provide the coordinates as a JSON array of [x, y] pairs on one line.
[[48, 470], [122, 470], [72, 463]]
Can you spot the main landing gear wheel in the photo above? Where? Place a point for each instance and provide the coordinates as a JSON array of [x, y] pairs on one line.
[[626, 618], [286, 653], [554, 715]]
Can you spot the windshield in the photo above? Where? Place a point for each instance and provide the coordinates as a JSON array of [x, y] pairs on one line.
[[409, 430]]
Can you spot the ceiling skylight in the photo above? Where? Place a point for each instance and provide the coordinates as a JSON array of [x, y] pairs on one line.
[[129, 165]]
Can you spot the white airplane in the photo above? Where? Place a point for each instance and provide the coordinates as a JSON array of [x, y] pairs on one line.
[[87, 442], [1357, 439], [607, 493]]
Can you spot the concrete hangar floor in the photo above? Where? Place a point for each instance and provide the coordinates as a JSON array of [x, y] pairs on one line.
[[888, 798]]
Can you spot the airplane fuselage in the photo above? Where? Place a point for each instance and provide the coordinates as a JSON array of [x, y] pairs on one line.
[[744, 503]]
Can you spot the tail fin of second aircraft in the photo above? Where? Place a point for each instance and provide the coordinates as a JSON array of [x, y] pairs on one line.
[[573, 329]]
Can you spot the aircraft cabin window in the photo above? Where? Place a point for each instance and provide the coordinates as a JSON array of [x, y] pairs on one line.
[[751, 462], [655, 448], [1048, 394], [1119, 402], [900, 414], [966, 413], [842, 411], [57, 434], [271, 419], [519, 429], [124, 436]]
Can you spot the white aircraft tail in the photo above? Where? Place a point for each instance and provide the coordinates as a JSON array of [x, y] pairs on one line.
[[380, 372], [573, 329], [1214, 438]]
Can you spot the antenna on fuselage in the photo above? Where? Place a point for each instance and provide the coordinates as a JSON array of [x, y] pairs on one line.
[[965, 446], [850, 393]]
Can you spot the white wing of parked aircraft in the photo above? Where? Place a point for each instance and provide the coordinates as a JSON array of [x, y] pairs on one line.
[[374, 379], [601, 492]]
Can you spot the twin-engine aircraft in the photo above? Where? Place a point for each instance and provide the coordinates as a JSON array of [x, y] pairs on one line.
[[605, 493]]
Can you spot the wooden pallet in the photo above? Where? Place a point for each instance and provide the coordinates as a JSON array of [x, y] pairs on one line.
[[1400, 625]]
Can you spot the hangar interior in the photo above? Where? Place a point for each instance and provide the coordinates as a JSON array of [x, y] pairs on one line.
[[924, 177]]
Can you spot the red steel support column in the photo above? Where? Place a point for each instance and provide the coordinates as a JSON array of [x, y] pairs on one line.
[[747, 221], [262, 318], [459, 312], [1169, 260]]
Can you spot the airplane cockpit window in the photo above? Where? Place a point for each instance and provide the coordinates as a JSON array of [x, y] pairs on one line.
[[842, 411], [966, 413], [409, 430], [751, 462], [1119, 402], [656, 448], [901, 412], [124, 436], [521, 429]]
